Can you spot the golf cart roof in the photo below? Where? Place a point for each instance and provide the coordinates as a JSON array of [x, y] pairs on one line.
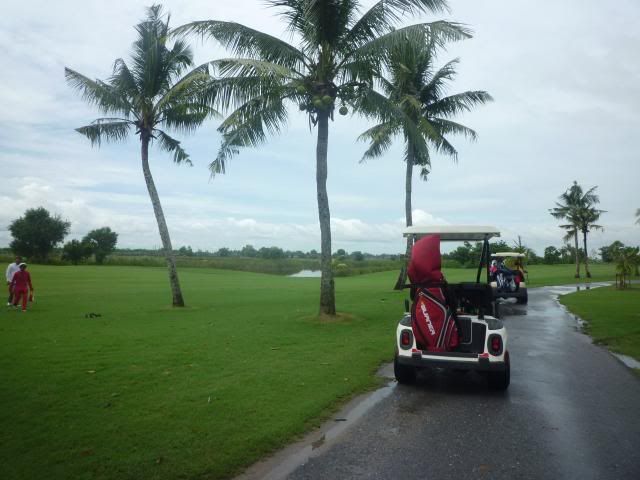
[[507, 255], [453, 232]]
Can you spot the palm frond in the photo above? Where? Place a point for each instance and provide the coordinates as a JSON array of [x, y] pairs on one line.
[[380, 138], [384, 15], [172, 145], [243, 41], [96, 92], [447, 127], [458, 103], [107, 129]]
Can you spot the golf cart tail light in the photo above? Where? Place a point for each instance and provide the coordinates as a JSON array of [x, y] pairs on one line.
[[405, 339], [495, 344]]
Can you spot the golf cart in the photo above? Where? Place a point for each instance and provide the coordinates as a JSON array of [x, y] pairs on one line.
[[508, 281], [449, 325]]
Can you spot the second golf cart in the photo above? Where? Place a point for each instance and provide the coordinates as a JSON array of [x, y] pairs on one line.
[[508, 276], [449, 325]]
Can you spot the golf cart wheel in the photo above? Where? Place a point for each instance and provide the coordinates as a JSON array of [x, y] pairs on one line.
[[523, 300], [404, 374], [501, 380]]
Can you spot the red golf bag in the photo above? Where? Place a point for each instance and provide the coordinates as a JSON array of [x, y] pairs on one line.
[[432, 319]]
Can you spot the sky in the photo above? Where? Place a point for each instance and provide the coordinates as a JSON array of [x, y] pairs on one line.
[[566, 86]]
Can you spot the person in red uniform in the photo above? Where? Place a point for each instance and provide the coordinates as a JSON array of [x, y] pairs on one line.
[[20, 285]]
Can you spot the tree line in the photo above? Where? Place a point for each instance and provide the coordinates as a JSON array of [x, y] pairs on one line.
[[37, 233]]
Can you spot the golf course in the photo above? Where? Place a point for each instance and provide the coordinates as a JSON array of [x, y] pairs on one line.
[[103, 379]]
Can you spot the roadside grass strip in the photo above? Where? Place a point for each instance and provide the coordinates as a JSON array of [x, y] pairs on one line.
[[612, 316]]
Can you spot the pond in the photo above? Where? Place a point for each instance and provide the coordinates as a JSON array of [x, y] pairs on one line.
[[307, 274]]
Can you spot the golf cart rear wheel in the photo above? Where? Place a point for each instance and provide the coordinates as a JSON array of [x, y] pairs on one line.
[[404, 374], [523, 300], [501, 380]]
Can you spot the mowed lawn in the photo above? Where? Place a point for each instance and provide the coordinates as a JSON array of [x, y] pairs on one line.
[[145, 391], [613, 316]]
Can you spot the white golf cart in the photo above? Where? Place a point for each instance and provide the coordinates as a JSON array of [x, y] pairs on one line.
[[482, 338], [509, 281]]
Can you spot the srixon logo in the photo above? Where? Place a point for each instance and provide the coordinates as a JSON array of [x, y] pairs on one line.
[[427, 318]]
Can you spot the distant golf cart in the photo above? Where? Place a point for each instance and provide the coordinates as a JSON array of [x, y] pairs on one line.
[[449, 325], [508, 281]]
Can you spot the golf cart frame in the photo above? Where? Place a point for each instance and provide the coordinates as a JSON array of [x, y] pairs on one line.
[[520, 293], [483, 338]]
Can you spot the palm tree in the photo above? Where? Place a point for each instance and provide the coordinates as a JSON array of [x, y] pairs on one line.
[[337, 58], [423, 114], [149, 94], [572, 206], [587, 216]]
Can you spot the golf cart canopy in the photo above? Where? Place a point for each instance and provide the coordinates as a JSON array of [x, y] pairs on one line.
[[453, 233], [508, 255]]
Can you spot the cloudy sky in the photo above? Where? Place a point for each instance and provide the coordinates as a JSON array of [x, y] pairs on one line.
[[565, 77]]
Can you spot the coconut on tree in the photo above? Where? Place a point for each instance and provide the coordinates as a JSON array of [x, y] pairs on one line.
[[423, 114], [334, 64], [160, 88]]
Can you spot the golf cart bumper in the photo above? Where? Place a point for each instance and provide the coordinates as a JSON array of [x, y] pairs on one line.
[[453, 360]]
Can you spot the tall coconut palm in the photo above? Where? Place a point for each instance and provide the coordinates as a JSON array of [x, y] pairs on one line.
[[423, 116], [151, 93], [334, 64], [569, 207], [587, 216]]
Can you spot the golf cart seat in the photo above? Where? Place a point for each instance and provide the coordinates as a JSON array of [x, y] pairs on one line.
[[471, 296]]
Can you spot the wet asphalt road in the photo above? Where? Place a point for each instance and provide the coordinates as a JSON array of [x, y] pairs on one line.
[[572, 412]]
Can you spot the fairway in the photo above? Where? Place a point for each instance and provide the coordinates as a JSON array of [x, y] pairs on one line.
[[145, 391]]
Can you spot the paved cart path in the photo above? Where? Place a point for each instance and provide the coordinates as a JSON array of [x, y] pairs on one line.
[[572, 411]]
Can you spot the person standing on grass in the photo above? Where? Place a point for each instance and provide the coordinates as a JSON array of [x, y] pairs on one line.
[[21, 283], [11, 269]]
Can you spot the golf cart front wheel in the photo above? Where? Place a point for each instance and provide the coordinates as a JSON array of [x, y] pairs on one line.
[[500, 380], [404, 374]]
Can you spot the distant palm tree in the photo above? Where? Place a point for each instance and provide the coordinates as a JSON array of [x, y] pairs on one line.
[[587, 216], [150, 93], [334, 65], [571, 206], [422, 116]]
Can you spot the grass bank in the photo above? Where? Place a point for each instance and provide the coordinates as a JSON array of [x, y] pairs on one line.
[[612, 316]]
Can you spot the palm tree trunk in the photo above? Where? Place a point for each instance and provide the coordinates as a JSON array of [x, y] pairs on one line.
[[575, 238], [327, 287], [586, 255], [402, 278], [178, 301]]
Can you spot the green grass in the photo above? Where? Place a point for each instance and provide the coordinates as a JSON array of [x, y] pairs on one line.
[[146, 391], [149, 392], [613, 316]]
